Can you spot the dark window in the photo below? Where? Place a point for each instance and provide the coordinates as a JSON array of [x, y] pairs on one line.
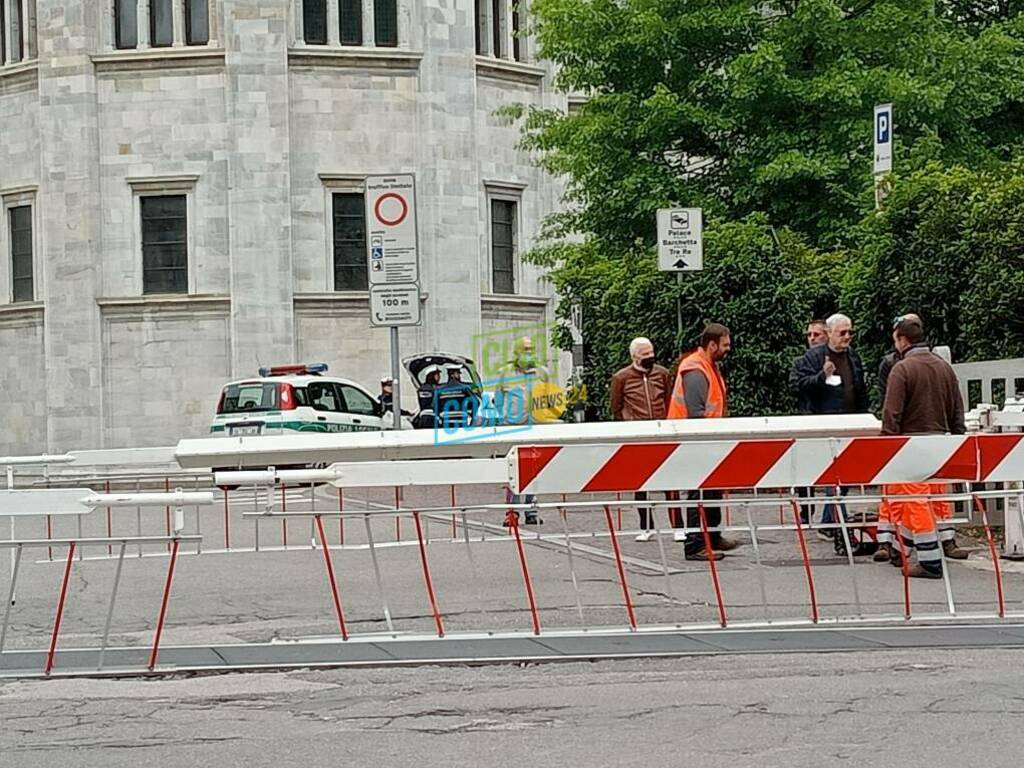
[[21, 253], [164, 244], [385, 23], [240, 398], [323, 396], [161, 23], [197, 22], [3, 33], [126, 23], [350, 14], [516, 49], [314, 21], [503, 246], [17, 39], [357, 401], [497, 33], [481, 9], [349, 242]]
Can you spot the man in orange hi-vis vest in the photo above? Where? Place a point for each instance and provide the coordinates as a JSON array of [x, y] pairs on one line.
[[700, 393]]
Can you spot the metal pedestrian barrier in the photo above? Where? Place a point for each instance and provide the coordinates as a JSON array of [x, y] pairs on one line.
[[413, 548]]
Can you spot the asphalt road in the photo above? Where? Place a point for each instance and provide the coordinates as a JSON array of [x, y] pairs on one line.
[[927, 708]]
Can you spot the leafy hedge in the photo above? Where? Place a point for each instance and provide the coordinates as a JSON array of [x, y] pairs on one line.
[[762, 285], [950, 246]]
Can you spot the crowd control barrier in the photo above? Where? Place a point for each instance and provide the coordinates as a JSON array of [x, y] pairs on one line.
[[411, 548]]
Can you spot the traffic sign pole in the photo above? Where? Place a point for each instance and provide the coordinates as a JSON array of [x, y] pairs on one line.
[[882, 135], [396, 395], [680, 249], [393, 264]]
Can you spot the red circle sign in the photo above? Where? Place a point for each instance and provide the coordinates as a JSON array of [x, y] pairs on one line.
[[398, 219]]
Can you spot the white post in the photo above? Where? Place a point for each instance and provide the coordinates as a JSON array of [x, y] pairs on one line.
[[506, 28], [369, 25], [142, 14], [213, 26], [405, 24], [333, 23], [10, 485], [178, 23], [297, 24]]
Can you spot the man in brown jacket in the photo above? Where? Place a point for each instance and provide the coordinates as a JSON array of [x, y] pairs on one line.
[[922, 398], [641, 392]]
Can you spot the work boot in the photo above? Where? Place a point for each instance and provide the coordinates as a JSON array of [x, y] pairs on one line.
[[724, 544], [952, 551], [884, 553], [703, 555], [918, 571], [533, 519]]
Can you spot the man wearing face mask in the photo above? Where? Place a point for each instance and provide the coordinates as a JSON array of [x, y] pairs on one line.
[[641, 392]]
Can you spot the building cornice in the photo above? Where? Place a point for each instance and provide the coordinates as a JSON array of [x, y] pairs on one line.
[[514, 71], [392, 59], [158, 58], [136, 306], [21, 311], [15, 77]]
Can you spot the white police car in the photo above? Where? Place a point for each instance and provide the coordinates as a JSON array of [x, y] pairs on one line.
[[297, 398]]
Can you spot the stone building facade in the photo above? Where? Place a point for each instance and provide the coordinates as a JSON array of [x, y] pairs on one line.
[[181, 179]]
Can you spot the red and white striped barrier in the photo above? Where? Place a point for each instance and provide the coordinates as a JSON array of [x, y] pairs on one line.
[[789, 463]]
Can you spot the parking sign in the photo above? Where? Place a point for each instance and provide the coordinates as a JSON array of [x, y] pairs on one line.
[[883, 138]]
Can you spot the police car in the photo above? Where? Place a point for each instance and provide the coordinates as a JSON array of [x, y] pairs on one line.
[[297, 398]]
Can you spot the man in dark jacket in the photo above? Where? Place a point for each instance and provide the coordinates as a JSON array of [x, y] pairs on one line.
[[816, 334], [892, 358], [641, 392], [829, 378]]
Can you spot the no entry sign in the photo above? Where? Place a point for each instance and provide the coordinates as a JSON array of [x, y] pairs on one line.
[[392, 249]]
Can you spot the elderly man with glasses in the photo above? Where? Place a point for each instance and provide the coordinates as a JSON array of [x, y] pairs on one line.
[[829, 378]]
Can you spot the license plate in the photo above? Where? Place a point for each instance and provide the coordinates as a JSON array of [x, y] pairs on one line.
[[244, 430]]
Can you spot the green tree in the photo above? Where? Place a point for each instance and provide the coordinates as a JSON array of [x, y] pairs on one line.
[[763, 285], [742, 107], [950, 246], [761, 114]]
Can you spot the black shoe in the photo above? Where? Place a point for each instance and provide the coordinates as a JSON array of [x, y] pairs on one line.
[[534, 519], [918, 571], [703, 555]]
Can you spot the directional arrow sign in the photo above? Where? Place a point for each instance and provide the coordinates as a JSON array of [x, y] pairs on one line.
[[680, 240], [45, 501]]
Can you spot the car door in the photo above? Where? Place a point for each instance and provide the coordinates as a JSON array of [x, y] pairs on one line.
[[361, 408], [325, 400]]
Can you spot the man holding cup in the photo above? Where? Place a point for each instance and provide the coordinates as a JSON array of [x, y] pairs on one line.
[[829, 378]]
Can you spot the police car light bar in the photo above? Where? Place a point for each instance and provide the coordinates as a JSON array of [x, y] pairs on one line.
[[293, 370]]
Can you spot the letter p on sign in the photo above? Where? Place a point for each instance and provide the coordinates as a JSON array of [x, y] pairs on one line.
[[883, 139]]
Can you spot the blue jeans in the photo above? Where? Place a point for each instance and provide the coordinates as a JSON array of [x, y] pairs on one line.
[[829, 511]]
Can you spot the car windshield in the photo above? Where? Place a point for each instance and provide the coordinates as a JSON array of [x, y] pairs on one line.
[[246, 398]]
